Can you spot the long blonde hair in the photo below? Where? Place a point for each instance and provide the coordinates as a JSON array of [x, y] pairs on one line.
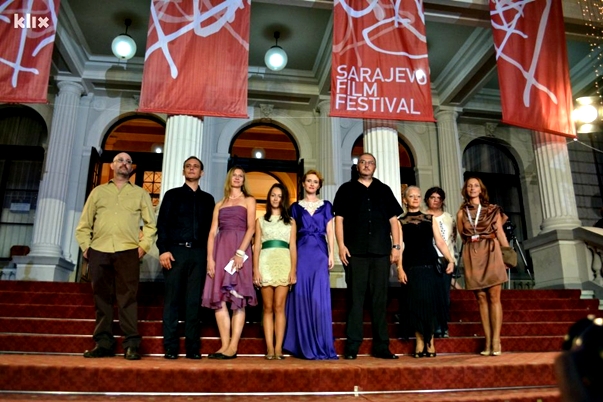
[[228, 185]]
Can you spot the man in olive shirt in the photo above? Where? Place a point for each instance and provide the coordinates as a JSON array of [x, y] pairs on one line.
[[109, 235]]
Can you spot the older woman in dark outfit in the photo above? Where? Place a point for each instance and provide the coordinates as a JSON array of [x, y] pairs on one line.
[[424, 303]]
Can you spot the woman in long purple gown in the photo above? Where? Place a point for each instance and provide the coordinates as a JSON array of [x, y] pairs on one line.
[[229, 241], [309, 332]]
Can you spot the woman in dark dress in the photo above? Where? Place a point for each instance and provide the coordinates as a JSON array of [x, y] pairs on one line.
[[424, 304], [309, 332]]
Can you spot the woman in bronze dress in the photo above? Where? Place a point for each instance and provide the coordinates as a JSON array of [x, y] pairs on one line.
[[480, 225]]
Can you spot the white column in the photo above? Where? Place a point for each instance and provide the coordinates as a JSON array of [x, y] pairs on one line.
[[329, 161], [50, 209], [449, 150], [555, 181], [46, 262], [558, 258], [381, 140], [183, 138]]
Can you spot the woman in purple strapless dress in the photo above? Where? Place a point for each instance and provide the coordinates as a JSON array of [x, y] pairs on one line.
[[309, 332], [229, 241]]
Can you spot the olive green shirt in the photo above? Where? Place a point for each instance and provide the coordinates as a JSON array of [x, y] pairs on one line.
[[111, 219]]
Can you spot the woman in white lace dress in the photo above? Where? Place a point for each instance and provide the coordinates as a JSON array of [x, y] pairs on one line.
[[274, 265]]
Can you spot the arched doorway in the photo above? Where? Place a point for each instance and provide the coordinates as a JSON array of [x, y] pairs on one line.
[[269, 154], [140, 136], [22, 133]]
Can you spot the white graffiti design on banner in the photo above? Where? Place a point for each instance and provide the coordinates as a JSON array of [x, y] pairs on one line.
[[500, 21], [400, 20], [225, 11], [33, 26]]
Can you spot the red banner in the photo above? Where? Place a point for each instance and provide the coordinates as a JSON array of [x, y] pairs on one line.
[[533, 73], [380, 68], [197, 57], [27, 31]]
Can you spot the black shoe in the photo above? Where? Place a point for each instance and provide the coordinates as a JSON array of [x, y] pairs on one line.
[[99, 351], [385, 355], [350, 356], [193, 355], [131, 353], [418, 355], [171, 355], [214, 356], [227, 357]]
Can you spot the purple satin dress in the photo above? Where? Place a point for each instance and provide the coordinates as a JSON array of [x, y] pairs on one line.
[[236, 289], [309, 331]]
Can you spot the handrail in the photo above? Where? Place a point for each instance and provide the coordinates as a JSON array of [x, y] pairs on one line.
[[593, 238]]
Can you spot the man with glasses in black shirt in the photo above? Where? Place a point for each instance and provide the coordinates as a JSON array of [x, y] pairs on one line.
[[366, 228]]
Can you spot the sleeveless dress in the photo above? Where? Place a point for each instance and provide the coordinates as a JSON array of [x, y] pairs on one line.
[[236, 289], [309, 331], [482, 260], [275, 262], [423, 303]]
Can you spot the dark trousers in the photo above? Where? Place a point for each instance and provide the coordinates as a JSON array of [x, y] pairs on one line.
[[183, 286], [114, 278], [367, 274], [445, 280]]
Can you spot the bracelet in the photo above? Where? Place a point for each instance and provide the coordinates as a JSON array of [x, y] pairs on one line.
[[240, 253]]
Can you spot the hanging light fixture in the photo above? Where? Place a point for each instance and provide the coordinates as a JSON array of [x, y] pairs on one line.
[[276, 57], [123, 45]]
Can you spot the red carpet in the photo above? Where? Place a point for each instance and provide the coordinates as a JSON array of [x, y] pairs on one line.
[[45, 327]]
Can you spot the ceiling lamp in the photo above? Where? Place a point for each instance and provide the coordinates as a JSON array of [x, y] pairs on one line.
[[258, 153], [157, 148], [123, 45], [276, 57]]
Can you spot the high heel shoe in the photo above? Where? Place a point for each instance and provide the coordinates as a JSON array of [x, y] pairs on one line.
[[496, 348], [419, 351], [428, 352], [485, 352]]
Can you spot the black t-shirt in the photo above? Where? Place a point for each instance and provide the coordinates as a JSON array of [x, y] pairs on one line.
[[366, 212], [185, 216], [417, 234]]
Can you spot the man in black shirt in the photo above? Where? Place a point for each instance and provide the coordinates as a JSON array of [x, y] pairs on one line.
[[366, 214], [182, 229]]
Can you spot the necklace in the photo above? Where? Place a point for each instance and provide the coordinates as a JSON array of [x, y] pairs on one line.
[[234, 198], [311, 206]]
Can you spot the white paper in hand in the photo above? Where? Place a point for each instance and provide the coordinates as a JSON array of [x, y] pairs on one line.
[[230, 266]]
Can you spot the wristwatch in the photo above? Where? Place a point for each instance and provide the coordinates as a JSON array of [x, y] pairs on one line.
[[396, 246]]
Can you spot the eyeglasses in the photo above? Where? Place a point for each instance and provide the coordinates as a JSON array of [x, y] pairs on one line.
[[365, 162], [126, 161]]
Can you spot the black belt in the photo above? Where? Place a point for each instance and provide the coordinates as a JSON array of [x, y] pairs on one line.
[[189, 244]]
